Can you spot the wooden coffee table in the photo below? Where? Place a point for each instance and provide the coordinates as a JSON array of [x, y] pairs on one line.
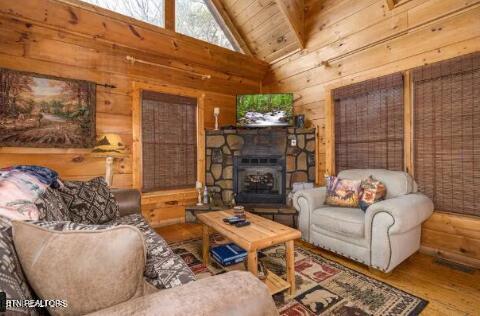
[[260, 234]]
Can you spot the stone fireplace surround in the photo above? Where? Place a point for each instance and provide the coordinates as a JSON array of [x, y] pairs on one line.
[[224, 146]]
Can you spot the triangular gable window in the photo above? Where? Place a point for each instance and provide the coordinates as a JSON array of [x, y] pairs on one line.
[[150, 11], [195, 18]]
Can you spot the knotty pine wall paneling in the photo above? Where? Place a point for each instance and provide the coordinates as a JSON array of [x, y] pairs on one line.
[[352, 41], [71, 39]]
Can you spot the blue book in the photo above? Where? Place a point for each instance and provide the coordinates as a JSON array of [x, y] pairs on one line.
[[228, 254]]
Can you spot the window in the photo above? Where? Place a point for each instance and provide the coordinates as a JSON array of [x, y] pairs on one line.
[[169, 141], [194, 18], [150, 11], [446, 129], [369, 124]]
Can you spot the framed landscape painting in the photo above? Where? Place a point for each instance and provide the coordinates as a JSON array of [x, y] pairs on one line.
[[44, 111]]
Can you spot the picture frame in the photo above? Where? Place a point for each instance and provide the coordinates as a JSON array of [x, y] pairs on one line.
[[45, 111]]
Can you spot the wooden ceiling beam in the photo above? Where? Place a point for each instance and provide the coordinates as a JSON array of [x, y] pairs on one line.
[[223, 18], [293, 11]]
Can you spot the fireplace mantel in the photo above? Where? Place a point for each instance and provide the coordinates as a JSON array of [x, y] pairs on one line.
[[224, 146]]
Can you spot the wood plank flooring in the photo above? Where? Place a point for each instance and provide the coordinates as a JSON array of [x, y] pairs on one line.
[[449, 291]]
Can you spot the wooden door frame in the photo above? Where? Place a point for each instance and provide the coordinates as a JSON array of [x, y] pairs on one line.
[[137, 167]]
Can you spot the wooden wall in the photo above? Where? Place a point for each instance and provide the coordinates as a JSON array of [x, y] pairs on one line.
[[351, 41], [67, 38]]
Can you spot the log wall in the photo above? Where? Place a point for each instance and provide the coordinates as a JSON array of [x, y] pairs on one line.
[[67, 38], [351, 41]]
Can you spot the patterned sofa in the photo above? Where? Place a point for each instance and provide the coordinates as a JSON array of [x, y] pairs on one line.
[[169, 276]]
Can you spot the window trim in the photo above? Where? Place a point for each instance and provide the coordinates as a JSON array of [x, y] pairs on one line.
[[137, 149]]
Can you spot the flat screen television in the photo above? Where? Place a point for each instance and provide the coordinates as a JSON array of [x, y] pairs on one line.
[[262, 110]]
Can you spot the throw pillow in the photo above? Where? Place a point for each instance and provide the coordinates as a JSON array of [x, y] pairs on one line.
[[372, 192], [342, 192], [51, 206], [89, 202], [94, 267]]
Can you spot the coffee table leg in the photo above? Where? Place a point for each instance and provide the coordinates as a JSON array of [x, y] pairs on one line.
[[252, 262], [290, 256], [206, 245]]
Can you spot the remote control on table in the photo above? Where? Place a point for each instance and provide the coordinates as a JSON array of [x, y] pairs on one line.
[[234, 221], [243, 223], [228, 219]]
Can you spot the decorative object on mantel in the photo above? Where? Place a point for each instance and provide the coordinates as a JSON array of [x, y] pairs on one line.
[[206, 196], [134, 60], [216, 113], [199, 187], [45, 111], [109, 146], [300, 121]]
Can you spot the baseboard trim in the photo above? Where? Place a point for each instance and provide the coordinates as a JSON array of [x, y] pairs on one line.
[[469, 261]]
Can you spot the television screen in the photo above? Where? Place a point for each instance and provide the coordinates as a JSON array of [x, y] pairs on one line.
[[261, 110]]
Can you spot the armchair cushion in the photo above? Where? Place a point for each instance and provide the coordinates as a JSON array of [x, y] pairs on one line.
[[408, 211], [397, 183], [342, 192], [344, 220]]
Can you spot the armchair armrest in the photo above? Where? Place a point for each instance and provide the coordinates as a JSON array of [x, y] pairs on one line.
[[128, 200], [305, 201], [314, 198], [407, 211], [232, 293]]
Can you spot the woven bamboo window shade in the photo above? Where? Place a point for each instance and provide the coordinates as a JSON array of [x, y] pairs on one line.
[[369, 124], [447, 133], [169, 141]]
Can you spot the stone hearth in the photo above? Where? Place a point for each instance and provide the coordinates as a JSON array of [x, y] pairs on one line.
[[223, 146]]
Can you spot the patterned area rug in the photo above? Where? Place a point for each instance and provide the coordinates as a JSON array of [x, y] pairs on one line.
[[324, 287]]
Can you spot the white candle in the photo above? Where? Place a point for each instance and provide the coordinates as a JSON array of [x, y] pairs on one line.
[[198, 185], [216, 111]]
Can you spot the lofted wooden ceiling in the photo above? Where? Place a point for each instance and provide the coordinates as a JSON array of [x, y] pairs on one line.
[[267, 29]]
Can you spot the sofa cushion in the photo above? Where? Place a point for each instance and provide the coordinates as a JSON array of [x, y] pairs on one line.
[[89, 202], [343, 220], [397, 183], [164, 269], [51, 206], [12, 280], [91, 267]]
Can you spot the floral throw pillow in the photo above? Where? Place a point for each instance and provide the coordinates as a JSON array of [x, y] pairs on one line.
[[342, 192], [372, 192]]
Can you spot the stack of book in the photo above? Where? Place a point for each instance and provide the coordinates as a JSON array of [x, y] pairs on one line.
[[228, 254]]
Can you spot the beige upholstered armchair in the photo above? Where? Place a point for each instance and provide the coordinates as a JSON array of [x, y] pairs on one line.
[[383, 236]]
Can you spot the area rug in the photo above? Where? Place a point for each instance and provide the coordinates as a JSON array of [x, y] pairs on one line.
[[324, 287]]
